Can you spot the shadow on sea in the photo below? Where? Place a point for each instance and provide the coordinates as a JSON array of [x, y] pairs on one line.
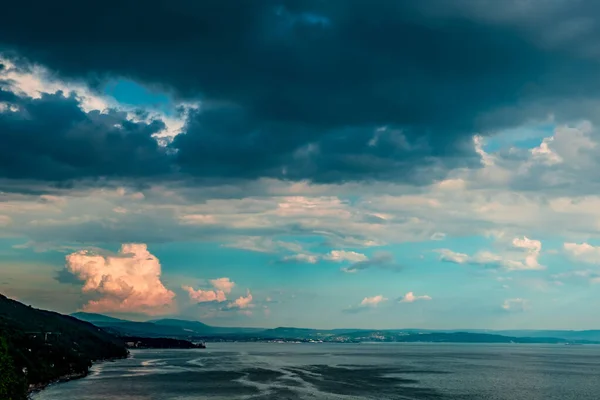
[[349, 380]]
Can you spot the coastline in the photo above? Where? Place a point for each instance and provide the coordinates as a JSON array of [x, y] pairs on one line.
[[38, 387], [35, 388]]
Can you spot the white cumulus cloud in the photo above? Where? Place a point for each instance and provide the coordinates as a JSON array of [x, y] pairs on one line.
[[453, 257], [301, 258], [410, 297], [344, 255], [372, 301]]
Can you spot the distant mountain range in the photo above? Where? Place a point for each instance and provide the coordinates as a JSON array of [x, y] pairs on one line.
[[195, 330], [159, 328]]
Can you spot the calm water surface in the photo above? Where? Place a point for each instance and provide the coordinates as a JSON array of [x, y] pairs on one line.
[[261, 371]]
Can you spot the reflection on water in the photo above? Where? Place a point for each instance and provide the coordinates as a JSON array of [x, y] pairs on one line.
[[257, 371]]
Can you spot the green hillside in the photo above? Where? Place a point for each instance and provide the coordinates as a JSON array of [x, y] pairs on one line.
[[38, 347]]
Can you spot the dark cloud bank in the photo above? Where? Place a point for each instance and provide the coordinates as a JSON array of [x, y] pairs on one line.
[[51, 138], [293, 89]]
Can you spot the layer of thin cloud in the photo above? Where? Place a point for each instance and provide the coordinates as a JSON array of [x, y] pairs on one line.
[[301, 258], [126, 282], [343, 256], [382, 260], [5, 220], [583, 252], [338, 256], [262, 244], [523, 254], [198, 219], [410, 297], [589, 275]]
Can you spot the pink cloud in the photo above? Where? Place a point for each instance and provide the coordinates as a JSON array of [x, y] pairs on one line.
[[126, 282], [203, 296], [242, 302], [223, 284]]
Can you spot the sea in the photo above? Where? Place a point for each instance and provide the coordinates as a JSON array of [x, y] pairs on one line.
[[290, 371]]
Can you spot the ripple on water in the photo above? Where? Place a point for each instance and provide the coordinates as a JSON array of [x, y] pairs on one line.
[[382, 372]]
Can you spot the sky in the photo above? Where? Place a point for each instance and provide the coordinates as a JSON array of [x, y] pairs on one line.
[[355, 164]]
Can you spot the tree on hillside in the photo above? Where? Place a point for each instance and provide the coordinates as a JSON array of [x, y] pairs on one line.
[[12, 383]]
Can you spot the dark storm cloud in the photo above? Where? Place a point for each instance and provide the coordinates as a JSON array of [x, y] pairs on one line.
[[52, 138], [297, 89], [228, 142]]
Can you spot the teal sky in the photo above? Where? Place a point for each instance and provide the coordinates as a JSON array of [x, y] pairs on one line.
[[263, 165]]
